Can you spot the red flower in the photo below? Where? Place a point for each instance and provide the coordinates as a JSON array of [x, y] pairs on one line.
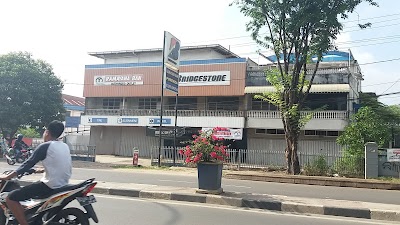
[[214, 137], [213, 155], [220, 139], [216, 148], [194, 136], [197, 158], [187, 160], [181, 152]]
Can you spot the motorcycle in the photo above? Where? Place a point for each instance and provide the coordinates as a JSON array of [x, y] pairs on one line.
[[10, 155], [51, 208]]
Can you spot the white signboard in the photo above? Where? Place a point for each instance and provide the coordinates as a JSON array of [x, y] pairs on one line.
[[172, 49], [118, 80], [215, 78], [235, 134], [393, 155]]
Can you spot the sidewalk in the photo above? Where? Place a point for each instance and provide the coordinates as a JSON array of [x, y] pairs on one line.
[[331, 207]]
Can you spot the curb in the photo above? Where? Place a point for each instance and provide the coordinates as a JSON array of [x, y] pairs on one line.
[[315, 180]]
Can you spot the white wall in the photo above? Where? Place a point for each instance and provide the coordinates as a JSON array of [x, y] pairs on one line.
[[198, 54]]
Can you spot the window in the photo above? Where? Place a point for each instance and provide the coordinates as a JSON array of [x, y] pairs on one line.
[[309, 133], [270, 131], [223, 103], [112, 103], [332, 133], [257, 104], [260, 131], [183, 103], [148, 103], [68, 114], [321, 133]]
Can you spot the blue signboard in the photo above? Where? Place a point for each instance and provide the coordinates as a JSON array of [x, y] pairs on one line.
[[72, 121], [171, 80], [98, 120], [128, 120], [157, 121]]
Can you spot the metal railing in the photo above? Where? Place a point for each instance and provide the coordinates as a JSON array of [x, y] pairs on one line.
[[83, 152], [311, 163], [317, 115], [212, 113], [156, 112]]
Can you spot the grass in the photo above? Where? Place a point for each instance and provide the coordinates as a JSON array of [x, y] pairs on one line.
[[390, 179]]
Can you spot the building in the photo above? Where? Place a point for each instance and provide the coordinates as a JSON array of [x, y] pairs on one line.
[[75, 107], [217, 88]]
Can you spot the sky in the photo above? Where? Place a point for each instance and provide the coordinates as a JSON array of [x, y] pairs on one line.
[[63, 32]]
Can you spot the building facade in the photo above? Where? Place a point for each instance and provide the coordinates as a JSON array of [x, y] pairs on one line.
[[216, 88]]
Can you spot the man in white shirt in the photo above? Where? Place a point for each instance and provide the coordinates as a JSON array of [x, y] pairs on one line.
[[56, 160]]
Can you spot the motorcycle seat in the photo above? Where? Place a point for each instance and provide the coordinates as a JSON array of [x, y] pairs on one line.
[[62, 189]]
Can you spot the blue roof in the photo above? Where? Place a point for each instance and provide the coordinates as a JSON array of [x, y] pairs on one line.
[[330, 56], [74, 107]]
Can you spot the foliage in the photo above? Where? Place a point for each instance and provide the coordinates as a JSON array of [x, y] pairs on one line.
[[206, 147], [318, 167], [30, 93], [349, 166], [295, 30], [365, 126], [28, 132]]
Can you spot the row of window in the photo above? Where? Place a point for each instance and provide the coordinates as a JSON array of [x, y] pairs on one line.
[[226, 103], [213, 103], [324, 133]]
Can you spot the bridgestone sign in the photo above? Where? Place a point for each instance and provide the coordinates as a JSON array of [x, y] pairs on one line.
[[205, 78]]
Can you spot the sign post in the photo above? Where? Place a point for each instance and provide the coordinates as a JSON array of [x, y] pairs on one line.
[[170, 76]]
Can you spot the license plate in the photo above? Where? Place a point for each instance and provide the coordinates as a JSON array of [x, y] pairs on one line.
[[87, 200]]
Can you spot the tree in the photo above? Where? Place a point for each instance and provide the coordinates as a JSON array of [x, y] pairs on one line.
[[30, 94], [365, 126], [295, 30], [389, 114], [29, 132]]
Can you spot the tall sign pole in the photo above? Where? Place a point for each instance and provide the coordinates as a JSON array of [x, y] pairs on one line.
[[170, 77]]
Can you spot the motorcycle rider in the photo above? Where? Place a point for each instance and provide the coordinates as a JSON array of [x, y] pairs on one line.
[[56, 160], [19, 145]]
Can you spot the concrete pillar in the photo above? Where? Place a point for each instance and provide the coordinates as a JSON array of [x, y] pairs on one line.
[[371, 160]]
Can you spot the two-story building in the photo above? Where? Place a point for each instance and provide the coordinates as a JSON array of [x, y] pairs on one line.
[[216, 89]]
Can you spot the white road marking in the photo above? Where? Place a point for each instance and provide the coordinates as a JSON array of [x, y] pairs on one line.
[[238, 186], [262, 211], [178, 181]]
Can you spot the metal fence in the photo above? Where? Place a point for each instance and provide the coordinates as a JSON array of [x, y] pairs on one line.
[[311, 163], [83, 152]]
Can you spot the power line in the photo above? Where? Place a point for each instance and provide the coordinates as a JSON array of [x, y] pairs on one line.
[[390, 86], [382, 61]]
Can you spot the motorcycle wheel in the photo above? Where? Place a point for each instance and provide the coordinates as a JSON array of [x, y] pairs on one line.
[[3, 218], [71, 216], [10, 162]]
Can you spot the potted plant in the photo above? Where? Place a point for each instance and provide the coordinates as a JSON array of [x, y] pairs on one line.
[[208, 152]]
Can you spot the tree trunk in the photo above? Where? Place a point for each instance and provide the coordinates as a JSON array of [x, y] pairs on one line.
[[288, 156], [292, 159]]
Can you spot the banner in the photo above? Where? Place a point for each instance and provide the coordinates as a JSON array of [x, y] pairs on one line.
[[393, 155], [118, 80], [215, 78], [230, 133]]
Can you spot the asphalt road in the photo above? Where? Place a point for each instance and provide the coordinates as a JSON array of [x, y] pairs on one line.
[[293, 190], [126, 211]]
